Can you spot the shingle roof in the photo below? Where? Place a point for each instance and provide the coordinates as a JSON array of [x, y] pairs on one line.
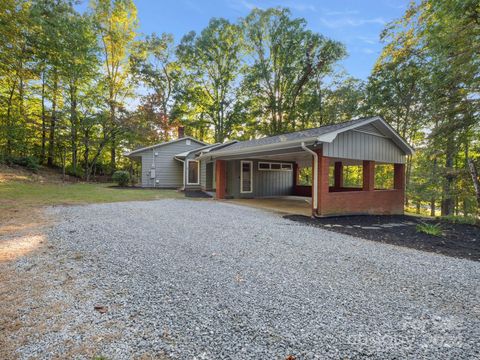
[[297, 135]]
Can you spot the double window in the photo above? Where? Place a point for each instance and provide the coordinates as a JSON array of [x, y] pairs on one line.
[[274, 166]]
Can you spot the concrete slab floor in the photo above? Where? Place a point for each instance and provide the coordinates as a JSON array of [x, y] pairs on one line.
[[295, 205]]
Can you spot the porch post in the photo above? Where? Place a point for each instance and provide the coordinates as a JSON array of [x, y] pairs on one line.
[[220, 178], [295, 174], [368, 175], [399, 176], [322, 178], [338, 180]]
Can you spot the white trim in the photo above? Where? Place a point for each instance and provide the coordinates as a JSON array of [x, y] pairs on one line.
[[241, 177], [275, 162], [164, 143], [198, 171]]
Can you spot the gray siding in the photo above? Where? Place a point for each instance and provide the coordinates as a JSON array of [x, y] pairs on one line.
[[265, 183], [168, 171], [203, 174], [361, 146]]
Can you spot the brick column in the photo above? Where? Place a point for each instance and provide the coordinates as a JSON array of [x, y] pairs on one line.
[[220, 178], [399, 176], [368, 175], [322, 177], [338, 175]]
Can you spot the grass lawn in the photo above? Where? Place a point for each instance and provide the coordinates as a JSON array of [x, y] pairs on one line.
[[23, 194], [35, 194]]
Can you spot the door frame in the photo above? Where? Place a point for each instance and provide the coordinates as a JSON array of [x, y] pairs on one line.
[[241, 176]]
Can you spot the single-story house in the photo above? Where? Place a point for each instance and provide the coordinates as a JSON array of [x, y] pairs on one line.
[[270, 166]]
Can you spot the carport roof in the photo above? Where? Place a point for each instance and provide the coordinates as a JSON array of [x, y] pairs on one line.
[[321, 134]]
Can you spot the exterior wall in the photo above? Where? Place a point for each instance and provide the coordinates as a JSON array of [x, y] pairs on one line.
[[265, 183], [364, 146], [168, 171]]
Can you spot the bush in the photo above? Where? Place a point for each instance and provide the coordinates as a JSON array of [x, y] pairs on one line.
[[30, 162], [470, 220], [122, 178], [430, 229], [78, 173]]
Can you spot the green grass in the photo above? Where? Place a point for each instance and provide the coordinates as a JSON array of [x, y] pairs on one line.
[[14, 193], [430, 229]]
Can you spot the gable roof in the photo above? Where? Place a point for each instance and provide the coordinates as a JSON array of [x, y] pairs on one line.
[[326, 134], [184, 154], [163, 144]]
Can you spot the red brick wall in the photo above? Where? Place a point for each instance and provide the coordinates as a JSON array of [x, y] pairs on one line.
[[367, 201], [379, 202]]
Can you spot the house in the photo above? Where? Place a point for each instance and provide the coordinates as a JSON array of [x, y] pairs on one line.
[[270, 166]]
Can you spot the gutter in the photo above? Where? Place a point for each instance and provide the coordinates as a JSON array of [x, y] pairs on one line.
[[314, 177]]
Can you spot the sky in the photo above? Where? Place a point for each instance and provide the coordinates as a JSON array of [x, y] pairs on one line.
[[355, 23]]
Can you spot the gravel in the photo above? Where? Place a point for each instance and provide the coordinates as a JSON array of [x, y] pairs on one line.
[[210, 280]]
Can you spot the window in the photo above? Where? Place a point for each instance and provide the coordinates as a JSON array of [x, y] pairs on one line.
[[188, 142], [192, 172], [263, 166], [274, 166], [246, 177]]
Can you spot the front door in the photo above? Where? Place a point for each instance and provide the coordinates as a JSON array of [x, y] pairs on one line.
[[246, 177]]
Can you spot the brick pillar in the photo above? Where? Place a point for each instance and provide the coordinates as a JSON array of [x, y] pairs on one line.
[[368, 175], [338, 175], [322, 177], [399, 176], [220, 178]]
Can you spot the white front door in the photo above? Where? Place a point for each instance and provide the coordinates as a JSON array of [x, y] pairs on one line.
[[246, 177]]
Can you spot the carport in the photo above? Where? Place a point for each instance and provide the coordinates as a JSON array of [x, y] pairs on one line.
[[271, 167]]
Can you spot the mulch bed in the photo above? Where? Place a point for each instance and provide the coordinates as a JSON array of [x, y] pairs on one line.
[[459, 240]]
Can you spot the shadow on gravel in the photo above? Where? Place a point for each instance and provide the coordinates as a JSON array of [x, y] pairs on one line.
[[458, 240]]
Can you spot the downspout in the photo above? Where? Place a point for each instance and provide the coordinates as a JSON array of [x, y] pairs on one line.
[[315, 175], [153, 167]]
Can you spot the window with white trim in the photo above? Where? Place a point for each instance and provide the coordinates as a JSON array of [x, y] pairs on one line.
[[274, 166]]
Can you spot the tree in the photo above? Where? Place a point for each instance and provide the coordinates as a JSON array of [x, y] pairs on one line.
[[212, 61], [286, 59], [116, 22], [156, 70]]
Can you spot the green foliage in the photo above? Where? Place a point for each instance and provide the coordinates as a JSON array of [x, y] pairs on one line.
[[470, 220], [430, 229], [122, 178], [29, 162]]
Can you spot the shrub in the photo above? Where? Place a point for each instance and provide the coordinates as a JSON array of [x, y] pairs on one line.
[[430, 229], [78, 173], [30, 162], [122, 178], [470, 220]]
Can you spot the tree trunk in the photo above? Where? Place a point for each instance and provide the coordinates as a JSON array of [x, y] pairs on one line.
[[432, 207], [44, 123], [418, 207], [448, 198], [476, 182], [74, 126], [53, 123], [113, 144]]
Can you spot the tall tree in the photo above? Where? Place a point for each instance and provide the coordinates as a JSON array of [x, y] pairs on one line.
[[116, 22], [212, 62], [286, 58]]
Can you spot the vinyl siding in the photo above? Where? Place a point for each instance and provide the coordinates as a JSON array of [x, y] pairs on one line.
[[168, 171], [362, 146], [265, 183]]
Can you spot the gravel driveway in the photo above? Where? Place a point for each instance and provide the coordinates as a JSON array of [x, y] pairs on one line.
[[208, 280]]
